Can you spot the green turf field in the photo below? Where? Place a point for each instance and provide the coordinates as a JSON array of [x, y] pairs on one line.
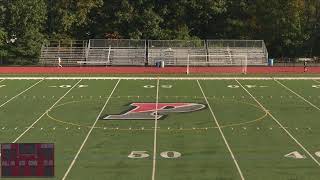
[[246, 129]]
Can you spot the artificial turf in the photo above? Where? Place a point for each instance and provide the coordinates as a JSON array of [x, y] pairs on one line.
[[66, 110]]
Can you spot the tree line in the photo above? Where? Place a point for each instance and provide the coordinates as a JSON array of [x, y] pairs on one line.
[[290, 28]]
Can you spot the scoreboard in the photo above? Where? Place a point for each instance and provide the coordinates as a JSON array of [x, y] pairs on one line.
[[27, 160]]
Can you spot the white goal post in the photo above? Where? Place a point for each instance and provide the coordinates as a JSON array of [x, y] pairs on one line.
[[228, 60], [108, 59]]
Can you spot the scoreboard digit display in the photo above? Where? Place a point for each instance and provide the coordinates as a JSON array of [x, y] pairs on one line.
[[27, 160]]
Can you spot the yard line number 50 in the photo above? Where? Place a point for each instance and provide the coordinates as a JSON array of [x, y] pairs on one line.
[[144, 154]]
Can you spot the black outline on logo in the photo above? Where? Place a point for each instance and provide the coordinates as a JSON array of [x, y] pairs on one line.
[[133, 107]]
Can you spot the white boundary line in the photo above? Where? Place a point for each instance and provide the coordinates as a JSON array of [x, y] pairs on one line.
[[221, 132], [298, 95], [45, 112], [155, 135], [92, 127], [20, 93], [282, 127], [163, 78]]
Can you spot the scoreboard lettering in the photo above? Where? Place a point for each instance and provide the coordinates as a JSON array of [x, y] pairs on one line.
[[27, 160]]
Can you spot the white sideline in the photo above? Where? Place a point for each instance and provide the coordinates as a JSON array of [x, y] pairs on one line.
[[21, 93], [163, 78], [282, 127], [155, 135], [45, 112], [298, 95], [92, 127], [221, 132]]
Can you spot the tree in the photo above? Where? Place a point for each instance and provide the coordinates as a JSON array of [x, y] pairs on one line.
[[25, 20], [312, 27], [289, 27], [3, 33], [278, 22], [70, 18], [131, 19]]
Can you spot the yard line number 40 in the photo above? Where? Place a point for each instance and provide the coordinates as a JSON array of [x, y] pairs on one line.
[[297, 155], [144, 154]]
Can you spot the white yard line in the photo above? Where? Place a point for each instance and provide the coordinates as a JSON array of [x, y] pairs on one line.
[[45, 112], [86, 138], [21, 93], [155, 135], [163, 78], [282, 127], [221, 132], [316, 81], [305, 100]]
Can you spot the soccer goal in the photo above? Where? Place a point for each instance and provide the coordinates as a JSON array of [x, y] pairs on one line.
[[236, 63]]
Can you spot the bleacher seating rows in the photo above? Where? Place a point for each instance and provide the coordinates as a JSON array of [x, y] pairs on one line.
[[139, 55]]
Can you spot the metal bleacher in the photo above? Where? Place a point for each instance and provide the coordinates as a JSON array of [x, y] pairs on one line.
[[174, 52], [117, 52], [255, 50], [125, 52], [69, 51]]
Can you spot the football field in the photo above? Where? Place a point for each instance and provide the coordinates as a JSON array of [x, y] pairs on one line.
[[168, 128]]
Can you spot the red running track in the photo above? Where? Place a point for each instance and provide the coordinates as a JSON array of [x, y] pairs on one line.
[[154, 70]]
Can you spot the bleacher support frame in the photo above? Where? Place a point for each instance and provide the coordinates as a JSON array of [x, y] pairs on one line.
[[129, 52]]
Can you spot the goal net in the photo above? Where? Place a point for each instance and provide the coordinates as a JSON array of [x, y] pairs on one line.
[[234, 63]]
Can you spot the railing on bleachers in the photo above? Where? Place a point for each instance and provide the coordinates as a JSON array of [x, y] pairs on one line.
[[118, 52], [174, 52], [255, 50], [69, 51]]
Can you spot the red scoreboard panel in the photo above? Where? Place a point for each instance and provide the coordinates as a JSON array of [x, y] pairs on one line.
[[27, 160]]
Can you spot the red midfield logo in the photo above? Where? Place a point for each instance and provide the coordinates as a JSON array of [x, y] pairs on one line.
[[147, 111]]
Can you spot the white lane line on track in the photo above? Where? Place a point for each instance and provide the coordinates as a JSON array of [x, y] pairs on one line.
[[282, 127], [86, 138], [20, 93], [221, 132], [155, 135], [305, 100], [45, 112]]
